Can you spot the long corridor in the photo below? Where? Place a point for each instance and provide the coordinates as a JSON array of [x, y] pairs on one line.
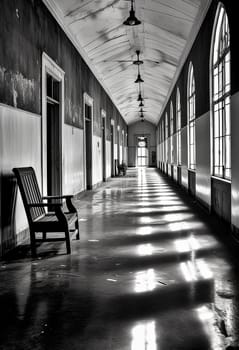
[[150, 272]]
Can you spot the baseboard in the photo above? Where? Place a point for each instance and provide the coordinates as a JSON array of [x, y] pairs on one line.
[[97, 185]]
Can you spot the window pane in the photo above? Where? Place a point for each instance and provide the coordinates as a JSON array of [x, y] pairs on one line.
[[215, 83], [221, 151], [216, 152], [216, 124], [220, 84], [228, 152], [227, 117], [227, 73], [227, 173], [216, 170]]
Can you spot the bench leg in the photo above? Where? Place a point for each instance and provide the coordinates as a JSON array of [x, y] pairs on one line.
[[77, 228], [33, 244], [68, 243], [44, 236]]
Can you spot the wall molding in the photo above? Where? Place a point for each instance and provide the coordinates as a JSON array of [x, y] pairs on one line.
[[88, 100], [51, 67], [19, 110]]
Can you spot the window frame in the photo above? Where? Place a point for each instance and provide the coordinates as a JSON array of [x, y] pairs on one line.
[[163, 140], [178, 128], [171, 133], [220, 75], [191, 116], [166, 137]]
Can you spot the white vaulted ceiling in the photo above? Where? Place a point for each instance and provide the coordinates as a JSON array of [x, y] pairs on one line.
[[164, 38]]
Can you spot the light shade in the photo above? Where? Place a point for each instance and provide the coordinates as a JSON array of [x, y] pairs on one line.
[[139, 79], [132, 20], [138, 62], [140, 98]]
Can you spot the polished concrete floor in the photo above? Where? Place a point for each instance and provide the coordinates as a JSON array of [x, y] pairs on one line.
[[150, 272]]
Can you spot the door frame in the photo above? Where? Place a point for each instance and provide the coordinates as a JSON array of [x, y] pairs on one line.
[[136, 136], [50, 67], [123, 148], [112, 140], [88, 100], [104, 151]]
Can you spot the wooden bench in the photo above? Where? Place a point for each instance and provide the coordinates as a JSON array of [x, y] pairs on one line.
[[39, 220]]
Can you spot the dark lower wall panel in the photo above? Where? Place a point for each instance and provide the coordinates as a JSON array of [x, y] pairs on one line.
[[27, 29], [192, 182], [179, 175], [221, 198]]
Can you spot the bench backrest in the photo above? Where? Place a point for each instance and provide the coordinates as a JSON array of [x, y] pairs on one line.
[[30, 192]]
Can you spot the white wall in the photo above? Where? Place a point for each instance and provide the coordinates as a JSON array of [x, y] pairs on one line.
[[108, 159], [20, 137], [73, 160], [120, 154], [97, 171]]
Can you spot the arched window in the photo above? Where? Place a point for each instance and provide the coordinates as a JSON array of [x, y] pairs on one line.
[[163, 140], [178, 126], [166, 137], [191, 120], [171, 132], [220, 96]]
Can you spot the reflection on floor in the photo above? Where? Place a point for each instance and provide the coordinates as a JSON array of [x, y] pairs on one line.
[[148, 273]]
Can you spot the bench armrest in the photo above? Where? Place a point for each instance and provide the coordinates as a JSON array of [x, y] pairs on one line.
[[33, 205], [58, 197], [69, 204]]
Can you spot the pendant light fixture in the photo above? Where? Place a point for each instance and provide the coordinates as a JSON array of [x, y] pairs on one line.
[[132, 20], [138, 61], [142, 115], [140, 98], [139, 79], [141, 104]]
